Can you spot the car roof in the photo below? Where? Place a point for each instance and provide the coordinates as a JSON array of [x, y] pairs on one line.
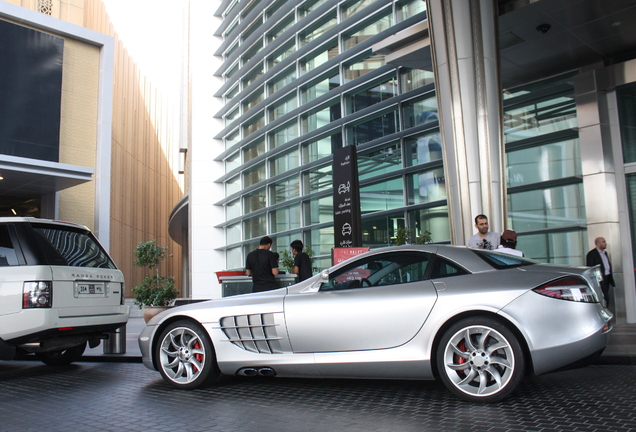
[[18, 219]]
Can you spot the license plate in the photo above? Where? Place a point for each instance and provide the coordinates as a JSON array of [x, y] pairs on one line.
[[85, 288]]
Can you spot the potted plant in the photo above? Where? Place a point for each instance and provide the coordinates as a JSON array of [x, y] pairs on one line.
[[403, 236], [287, 259], [156, 293]]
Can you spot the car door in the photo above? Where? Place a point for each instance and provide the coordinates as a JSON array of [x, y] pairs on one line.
[[373, 303]]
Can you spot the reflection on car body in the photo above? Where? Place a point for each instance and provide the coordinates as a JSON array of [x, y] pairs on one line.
[[479, 320]]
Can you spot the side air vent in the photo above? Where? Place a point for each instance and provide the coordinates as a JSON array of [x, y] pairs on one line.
[[255, 333]]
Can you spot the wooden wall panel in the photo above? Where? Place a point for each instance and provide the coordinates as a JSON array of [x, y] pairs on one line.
[[144, 187]]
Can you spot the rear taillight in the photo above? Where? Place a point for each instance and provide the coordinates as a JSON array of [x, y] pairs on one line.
[[38, 294], [569, 288]]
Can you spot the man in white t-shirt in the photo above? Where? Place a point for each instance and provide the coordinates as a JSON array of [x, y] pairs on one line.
[[484, 239]]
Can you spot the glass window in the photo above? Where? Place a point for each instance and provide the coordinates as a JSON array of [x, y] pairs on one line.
[[254, 175], [233, 233], [233, 209], [232, 114], [284, 219], [230, 50], [8, 256], [547, 208], [317, 179], [281, 53], [434, 220], [542, 163], [232, 162], [232, 186], [321, 147], [367, 29], [626, 96], [249, 8], [317, 88], [630, 182], [252, 76], [320, 117], [253, 150], [320, 240], [283, 162], [284, 190], [379, 231], [319, 210], [280, 28], [252, 51], [231, 71], [415, 78], [66, 246], [283, 134], [273, 8], [255, 200], [252, 100], [319, 56], [281, 80], [379, 160], [255, 227], [351, 7], [420, 111], [408, 8], [282, 242], [550, 114], [423, 148], [232, 26], [317, 28], [232, 138], [385, 195], [253, 124], [426, 186], [444, 269], [282, 106], [310, 5], [383, 270], [252, 28], [233, 258], [567, 248], [371, 94], [372, 128], [362, 65]]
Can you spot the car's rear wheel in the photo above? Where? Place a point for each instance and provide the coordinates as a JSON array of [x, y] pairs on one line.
[[63, 357], [480, 360], [186, 357]]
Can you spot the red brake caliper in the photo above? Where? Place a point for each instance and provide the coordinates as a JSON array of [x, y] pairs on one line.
[[199, 357], [461, 360]]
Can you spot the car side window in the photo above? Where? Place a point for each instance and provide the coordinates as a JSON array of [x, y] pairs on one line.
[[445, 268], [381, 270], [7, 251]]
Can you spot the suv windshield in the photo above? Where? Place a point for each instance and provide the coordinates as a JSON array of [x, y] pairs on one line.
[[500, 260], [71, 247]]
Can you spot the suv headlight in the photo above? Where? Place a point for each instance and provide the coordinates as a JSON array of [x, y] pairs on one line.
[[38, 294]]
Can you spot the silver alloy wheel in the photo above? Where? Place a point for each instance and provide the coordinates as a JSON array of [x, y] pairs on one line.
[[479, 361], [182, 355]]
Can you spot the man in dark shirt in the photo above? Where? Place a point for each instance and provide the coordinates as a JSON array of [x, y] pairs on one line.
[[261, 264], [302, 263]]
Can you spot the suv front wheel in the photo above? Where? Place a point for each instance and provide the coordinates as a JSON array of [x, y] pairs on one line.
[[63, 357]]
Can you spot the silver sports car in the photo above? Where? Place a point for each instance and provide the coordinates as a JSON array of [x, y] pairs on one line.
[[478, 320]]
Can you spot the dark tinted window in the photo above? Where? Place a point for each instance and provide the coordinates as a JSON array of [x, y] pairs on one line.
[[501, 260], [445, 268], [380, 270], [71, 247], [7, 252]]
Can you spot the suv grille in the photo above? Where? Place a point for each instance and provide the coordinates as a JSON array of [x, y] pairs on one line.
[[254, 333]]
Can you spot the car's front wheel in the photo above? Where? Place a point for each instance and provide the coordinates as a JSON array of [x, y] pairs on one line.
[[186, 357], [480, 360], [63, 357]]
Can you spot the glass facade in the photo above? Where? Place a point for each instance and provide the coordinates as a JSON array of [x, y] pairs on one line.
[[310, 85]]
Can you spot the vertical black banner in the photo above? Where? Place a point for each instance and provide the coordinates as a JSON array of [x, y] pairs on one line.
[[346, 199]]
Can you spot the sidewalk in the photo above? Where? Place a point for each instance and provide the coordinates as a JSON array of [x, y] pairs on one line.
[[621, 349]]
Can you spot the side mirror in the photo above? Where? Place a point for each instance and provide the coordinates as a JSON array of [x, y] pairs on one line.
[[324, 276], [315, 287]]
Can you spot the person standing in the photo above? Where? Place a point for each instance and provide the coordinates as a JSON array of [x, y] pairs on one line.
[[598, 256], [508, 243], [302, 263], [484, 239], [261, 264]]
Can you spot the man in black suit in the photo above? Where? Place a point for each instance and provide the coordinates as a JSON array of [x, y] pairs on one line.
[[598, 256]]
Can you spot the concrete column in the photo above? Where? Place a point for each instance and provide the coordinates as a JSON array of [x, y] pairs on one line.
[[464, 48]]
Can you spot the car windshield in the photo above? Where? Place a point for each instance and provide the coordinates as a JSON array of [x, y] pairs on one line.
[[500, 260]]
